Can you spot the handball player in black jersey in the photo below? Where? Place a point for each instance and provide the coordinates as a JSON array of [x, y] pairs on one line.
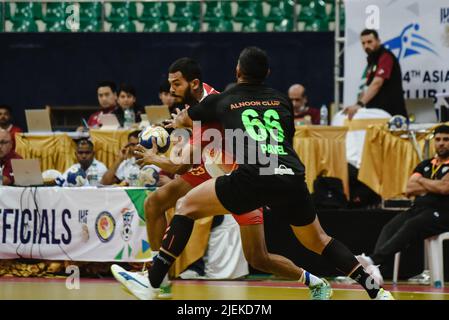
[[265, 117]]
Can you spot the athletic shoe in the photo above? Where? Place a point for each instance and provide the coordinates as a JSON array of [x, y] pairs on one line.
[[384, 295], [370, 268], [138, 284], [422, 278], [321, 291]]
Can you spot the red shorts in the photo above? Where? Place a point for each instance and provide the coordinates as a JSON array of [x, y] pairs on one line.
[[198, 175], [251, 218]]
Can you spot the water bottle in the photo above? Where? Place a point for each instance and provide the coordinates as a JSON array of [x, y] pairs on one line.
[[92, 176], [133, 174], [130, 118], [324, 115]]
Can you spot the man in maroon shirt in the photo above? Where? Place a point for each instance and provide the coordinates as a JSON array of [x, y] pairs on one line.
[[6, 154], [383, 79], [107, 99], [6, 124], [303, 113]]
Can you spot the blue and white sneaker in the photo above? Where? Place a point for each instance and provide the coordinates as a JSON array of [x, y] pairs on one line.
[[139, 285]]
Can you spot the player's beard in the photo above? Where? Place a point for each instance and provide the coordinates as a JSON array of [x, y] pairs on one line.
[[189, 99]]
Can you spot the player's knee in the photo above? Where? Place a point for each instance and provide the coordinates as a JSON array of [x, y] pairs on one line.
[[315, 243], [185, 207], [152, 202]]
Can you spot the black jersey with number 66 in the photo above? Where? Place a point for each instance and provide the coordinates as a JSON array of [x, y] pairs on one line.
[[263, 115]]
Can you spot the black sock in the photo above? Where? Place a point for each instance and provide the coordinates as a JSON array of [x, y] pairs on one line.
[[366, 281], [161, 264], [346, 262], [174, 241]]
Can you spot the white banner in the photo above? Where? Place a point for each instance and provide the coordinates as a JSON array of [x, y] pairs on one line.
[[416, 31], [80, 224]]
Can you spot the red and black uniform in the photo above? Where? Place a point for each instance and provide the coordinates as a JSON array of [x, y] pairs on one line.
[[390, 97]]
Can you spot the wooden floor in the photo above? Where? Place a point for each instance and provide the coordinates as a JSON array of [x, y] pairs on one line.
[[109, 289]]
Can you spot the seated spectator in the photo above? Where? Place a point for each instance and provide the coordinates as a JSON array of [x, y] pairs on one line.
[[107, 99], [302, 112], [85, 157], [6, 123], [122, 168], [6, 154], [127, 99], [165, 96], [429, 215]]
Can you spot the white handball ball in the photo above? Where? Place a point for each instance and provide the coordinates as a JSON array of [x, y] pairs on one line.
[[161, 135], [398, 122], [148, 177]]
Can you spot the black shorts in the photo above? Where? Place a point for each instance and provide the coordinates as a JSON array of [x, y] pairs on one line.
[[286, 195]]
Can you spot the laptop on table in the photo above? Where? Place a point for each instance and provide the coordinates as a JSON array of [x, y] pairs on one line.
[[27, 172]]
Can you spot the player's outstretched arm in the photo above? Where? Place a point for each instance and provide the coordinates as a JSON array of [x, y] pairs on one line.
[[150, 156]]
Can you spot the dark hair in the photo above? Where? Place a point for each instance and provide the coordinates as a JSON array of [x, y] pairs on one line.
[[83, 142], [253, 63], [4, 106], [164, 86], [367, 32], [134, 134], [127, 88], [189, 68], [109, 84], [441, 129]]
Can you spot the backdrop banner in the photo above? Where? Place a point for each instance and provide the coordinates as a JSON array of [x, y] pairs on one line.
[[81, 224]]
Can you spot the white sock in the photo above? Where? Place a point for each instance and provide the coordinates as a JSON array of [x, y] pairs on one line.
[[309, 279]]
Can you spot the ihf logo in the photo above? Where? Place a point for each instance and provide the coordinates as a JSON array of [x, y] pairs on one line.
[[444, 14]]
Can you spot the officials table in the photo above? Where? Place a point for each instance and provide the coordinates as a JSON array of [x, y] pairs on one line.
[[321, 148], [83, 224]]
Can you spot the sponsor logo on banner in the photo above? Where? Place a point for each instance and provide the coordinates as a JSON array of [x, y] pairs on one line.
[[409, 42], [105, 226], [444, 15], [127, 216], [82, 219]]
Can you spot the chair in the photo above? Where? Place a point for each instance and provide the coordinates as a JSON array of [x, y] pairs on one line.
[[280, 10], [122, 11], [25, 25], [434, 252], [249, 10], [317, 25], [285, 25], [156, 26], [186, 10], [123, 26], [188, 26], [220, 26], [154, 11], [217, 10], [254, 25]]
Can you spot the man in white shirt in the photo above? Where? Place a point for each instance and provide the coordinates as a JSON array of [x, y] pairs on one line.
[[86, 161]]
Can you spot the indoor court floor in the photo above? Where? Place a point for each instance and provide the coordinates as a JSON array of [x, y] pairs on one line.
[[108, 289]]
